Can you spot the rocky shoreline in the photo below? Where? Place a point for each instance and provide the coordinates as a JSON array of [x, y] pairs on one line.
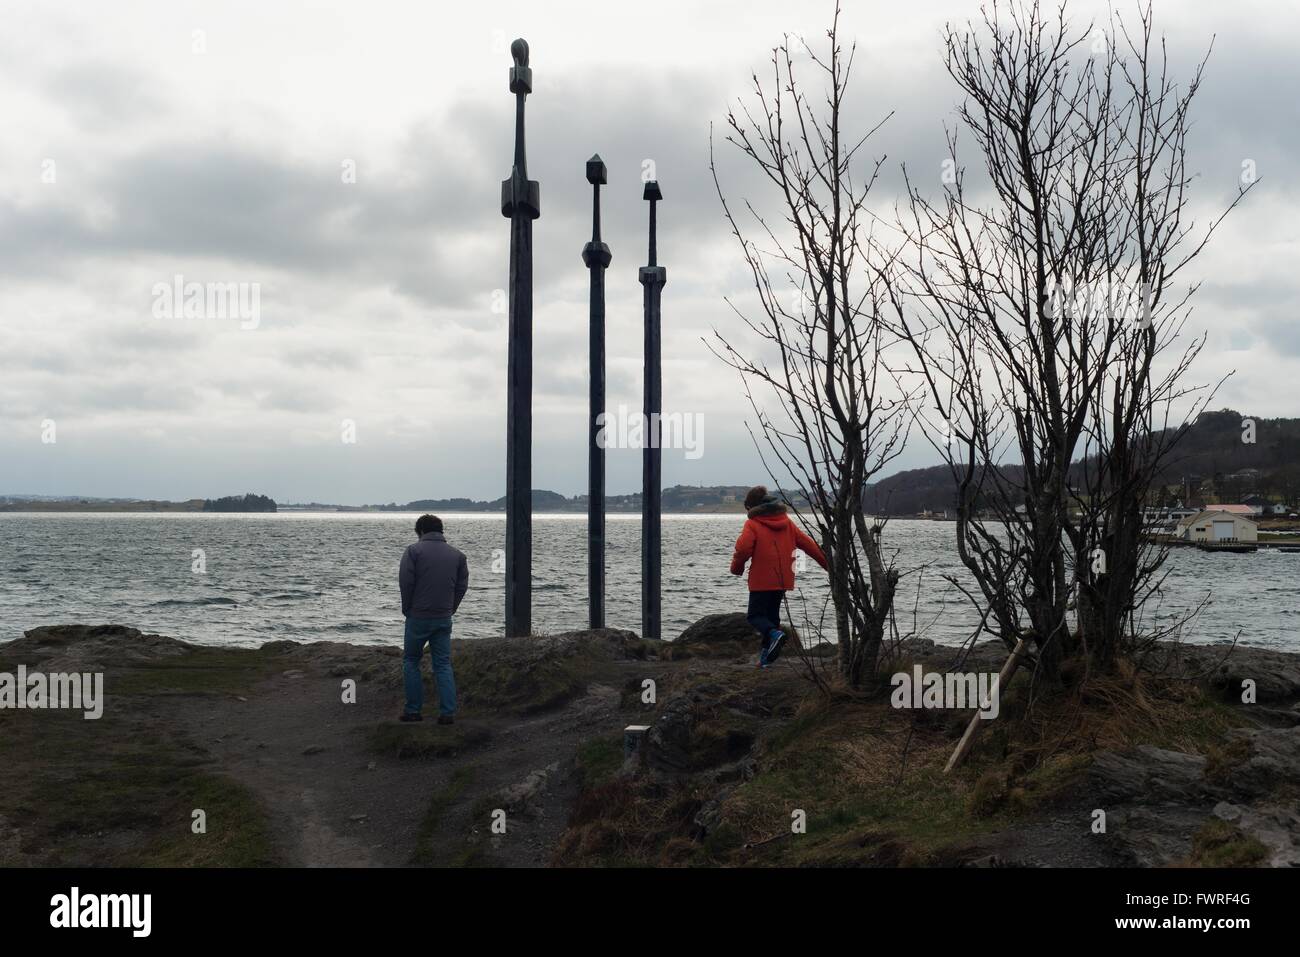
[[288, 770]]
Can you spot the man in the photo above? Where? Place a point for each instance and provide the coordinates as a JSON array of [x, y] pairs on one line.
[[433, 578], [768, 542]]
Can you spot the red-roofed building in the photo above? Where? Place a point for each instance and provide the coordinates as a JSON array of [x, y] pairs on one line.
[[1231, 509]]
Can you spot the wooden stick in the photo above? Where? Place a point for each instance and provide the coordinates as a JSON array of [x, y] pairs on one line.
[[766, 840], [968, 737]]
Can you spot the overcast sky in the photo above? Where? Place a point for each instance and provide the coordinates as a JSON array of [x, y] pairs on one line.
[[209, 140]]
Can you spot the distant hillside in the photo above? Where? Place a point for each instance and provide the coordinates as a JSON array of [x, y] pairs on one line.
[[679, 498], [1210, 463], [15, 503], [231, 503]]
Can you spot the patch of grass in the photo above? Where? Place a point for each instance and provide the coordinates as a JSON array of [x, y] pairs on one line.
[[237, 835], [451, 792], [626, 823], [722, 841], [599, 759], [721, 741], [199, 671], [866, 776], [845, 825], [804, 723], [1222, 759], [989, 794], [118, 792], [1217, 843], [473, 854], [1048, 780], [425, 739]]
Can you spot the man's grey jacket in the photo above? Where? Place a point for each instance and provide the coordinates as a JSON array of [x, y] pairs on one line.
[[434, 578]]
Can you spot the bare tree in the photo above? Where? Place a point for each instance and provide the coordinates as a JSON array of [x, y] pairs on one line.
[[821, 295], [1044, 319], [1134, 424]]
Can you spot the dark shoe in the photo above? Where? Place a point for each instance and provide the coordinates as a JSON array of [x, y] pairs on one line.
[[408, 716], [774, 647], [446, 719]]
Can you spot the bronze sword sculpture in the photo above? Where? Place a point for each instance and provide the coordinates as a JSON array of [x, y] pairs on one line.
[[521, 204], [596, 255]]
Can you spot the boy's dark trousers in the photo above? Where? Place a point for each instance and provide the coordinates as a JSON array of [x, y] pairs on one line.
[[765, 611]]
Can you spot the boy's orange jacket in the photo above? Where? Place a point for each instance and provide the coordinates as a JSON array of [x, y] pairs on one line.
[[770, 540]]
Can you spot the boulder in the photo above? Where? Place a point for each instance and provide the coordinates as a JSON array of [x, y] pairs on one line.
[[1147, 775], [67, 647], [536, 674], [1276, 674], [725, 636], [520, 797], [1152, 836], [1273, 764], [700, 730], [668, 742]]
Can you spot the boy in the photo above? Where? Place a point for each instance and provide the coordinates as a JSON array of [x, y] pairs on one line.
[[768, 542]]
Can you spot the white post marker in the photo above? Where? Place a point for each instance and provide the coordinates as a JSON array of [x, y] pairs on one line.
[[633, 734]]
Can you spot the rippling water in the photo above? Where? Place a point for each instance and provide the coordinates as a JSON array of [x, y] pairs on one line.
[[309, 576]]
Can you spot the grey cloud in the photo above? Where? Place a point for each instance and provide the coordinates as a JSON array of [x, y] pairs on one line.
[[397, 271], [1267, 310], [105, 96], [96, 397], [323, 357]]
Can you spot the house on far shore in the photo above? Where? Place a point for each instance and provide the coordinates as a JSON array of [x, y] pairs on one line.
[[1164, 521], [1217, 525], [1258, 504]]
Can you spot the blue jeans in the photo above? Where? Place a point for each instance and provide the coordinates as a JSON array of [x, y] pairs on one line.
[[437, 632], [765, 612]]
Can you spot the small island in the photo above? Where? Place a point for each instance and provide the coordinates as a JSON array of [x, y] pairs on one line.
[[248, 502]]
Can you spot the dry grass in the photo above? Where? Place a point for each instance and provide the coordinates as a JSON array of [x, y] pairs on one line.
[[869, 778], [1220, 844], [1108, 712]]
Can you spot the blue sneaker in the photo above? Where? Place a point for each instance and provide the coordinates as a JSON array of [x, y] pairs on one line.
[[773, 649]]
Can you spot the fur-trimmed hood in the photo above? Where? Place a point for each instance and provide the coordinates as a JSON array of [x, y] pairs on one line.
[[770, 505]]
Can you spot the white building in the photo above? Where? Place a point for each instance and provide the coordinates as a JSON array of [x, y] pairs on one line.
[[1217, 526], [1164, 521]]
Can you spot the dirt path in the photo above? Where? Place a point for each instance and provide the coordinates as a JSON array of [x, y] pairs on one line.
[[336, 799]]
